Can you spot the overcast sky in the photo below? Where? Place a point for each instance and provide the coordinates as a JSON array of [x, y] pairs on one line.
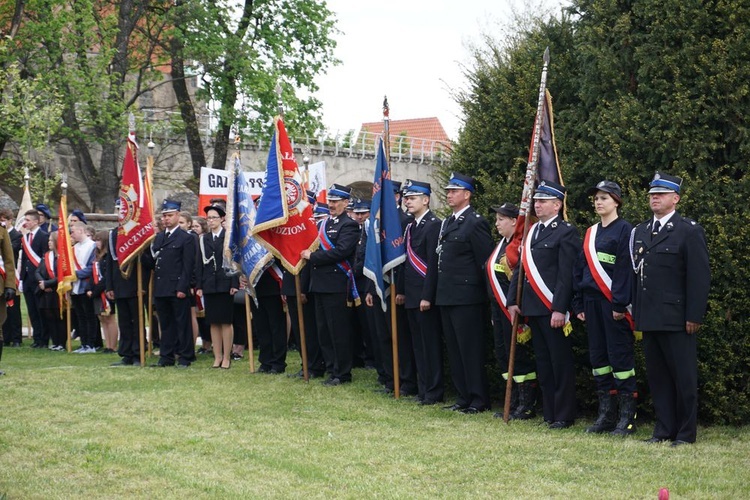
[[410, 50]]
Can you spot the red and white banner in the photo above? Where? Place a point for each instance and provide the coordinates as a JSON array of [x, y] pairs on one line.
[[136, 216], [215, 184]]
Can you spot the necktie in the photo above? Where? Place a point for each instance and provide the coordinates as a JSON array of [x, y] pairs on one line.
[[169, 234], [539, 229], [30, 238], [655, 230]]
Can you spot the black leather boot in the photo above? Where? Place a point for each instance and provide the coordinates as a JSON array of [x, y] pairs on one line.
[[526, 402], [626, 424], [607, 418]]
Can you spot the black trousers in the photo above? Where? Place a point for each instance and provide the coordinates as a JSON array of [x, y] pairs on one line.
[[269, 322], [524, 368], [334, 320], [672, 371], [611, 347], [56, 326], [12, 332], [127, 321], [383, 342], [315, 364], [555, 369], [176, 332], [426, 333], [464, 337], [40, 336], [87, 325]]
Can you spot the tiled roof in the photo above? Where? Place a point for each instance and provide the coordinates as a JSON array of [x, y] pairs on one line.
[[421, 128]]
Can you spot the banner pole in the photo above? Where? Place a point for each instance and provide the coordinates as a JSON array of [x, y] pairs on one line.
[[141, 325], [249, 317], [302, 335]]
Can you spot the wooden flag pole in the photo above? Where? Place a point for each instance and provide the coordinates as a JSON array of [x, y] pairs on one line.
[[69, 343], [150, 309], [141, 325], [394, 311], [249, 317], [531, 174], [302, 336]]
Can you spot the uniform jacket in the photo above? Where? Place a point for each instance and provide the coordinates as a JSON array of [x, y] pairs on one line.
[[455, 274], [173, 262], [673, 278], [211, 276], [325, 275], [6, 252], [364, 284], [555, 252], [288, 287], [122, 288], [47, 298], [423, 241], [15, 240], [612, 248], [40, 245]]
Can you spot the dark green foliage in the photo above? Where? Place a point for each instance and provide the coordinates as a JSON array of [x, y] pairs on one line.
[[637, 87]]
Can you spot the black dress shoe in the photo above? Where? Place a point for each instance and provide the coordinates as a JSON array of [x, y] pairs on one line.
[[123, 362], [35, 346], [383, 390], [185, 365], [472, 410], [331, 382], [428, 402], [16, 344], [655, 440], [455, 407], [679, 442], [159, 365], [561, 424]]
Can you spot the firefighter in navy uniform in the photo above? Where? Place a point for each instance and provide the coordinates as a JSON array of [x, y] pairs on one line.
[[332, 282], [670, 295], [499, 272], [421, 239], [603, 280], [551, 248], [455, 276], [172, 258]]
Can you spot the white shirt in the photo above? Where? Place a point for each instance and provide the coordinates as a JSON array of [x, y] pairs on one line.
[[82, 253]]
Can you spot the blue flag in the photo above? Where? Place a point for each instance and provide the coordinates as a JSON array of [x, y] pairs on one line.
[[385, 238], [240, 247]]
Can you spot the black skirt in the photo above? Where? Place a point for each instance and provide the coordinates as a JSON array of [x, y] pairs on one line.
[[219, 308]]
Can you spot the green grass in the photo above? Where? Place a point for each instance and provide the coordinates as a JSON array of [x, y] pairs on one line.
[[73, 427]]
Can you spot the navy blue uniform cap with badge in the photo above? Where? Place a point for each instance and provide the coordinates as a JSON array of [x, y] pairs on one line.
[[506, 209], [665, 183], [415, 188], [610, 187], [170, 206], [361, 206], [548, 190], [396, 186], [321, 211], [311, 197], [338, 192], [461, 181]]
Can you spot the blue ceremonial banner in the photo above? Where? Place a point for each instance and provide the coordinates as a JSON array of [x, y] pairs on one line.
[[385, 239], [240, 247]]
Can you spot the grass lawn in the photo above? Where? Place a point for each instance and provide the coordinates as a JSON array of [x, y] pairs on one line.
[[73, 427]]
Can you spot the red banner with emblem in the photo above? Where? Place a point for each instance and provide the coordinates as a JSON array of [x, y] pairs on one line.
[[66, 262], [136, 215]]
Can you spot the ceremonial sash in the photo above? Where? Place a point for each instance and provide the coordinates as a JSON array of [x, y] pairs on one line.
[[30, 253], [497, 290], [602, 279], [411, 256], [278, 275], [97, 279], [535, 278], [49, 264], [344, 265]]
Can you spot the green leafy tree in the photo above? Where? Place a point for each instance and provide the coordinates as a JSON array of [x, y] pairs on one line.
[[243, 52], [637, 87]]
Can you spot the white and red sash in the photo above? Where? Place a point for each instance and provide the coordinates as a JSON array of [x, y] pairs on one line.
[[602, 279], [497, 290], [532, 272], [411, 256], [30, 253], [97, 279], [49, 264]]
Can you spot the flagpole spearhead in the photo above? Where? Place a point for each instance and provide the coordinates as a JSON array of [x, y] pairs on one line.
[[545, 58], [131, 123], [64, 183], [279, 102]]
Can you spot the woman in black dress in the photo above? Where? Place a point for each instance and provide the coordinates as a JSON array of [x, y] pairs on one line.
[[216, 287]]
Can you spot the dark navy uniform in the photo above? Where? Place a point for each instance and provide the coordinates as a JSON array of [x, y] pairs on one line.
[[330, 284], [554, 250], [269, 320], [173, 261], [671, 288], [125, 291], [12, 335], [316, 366], [39, 245], [425, 326], [456, 278]]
